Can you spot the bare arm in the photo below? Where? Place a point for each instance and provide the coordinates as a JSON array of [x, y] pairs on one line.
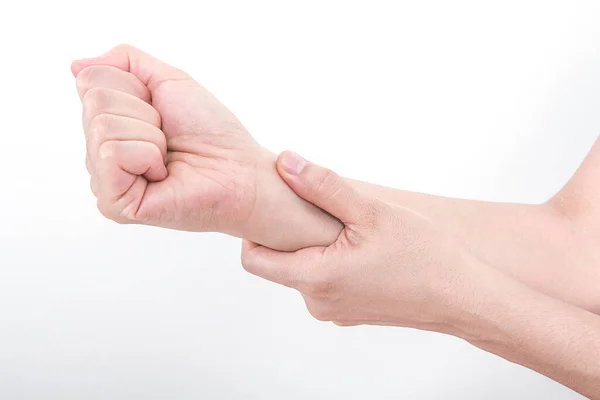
[[537, 331], [535, 244], [394, 266], [550, 247], [164, 151]]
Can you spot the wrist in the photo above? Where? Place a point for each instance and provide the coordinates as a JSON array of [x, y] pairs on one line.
[[279, 218]]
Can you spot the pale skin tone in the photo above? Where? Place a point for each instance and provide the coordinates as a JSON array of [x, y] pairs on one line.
[[517, 280]]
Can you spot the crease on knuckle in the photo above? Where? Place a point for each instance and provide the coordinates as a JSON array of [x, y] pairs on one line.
[[122, 210], [84, 76], [95, 100], [323, 285], [328, 184], [107, 151], [99, 126]]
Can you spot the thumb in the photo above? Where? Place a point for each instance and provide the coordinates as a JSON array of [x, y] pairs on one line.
[[322, 187], [146, 68]]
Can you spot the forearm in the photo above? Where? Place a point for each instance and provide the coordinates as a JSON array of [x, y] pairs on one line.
[[283, 221], [506, 236], [534, 244], [537, 331]]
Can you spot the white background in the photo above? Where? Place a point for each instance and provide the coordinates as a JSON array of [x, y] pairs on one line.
[[487, 100]]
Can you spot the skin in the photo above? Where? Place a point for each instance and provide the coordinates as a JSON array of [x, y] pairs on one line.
[[394, 266], [549, 247], [163, 151]]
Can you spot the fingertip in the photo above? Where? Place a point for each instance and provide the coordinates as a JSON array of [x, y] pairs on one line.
[[78, 65], [157, 175], [103, 59], [287, 169]]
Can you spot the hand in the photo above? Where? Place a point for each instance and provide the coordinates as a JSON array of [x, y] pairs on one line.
[[164, 151], [389, 266]]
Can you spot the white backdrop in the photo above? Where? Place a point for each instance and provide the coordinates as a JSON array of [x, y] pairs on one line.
[[486, 100]]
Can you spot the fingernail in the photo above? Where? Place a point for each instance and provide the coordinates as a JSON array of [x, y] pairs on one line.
[[292, 163]]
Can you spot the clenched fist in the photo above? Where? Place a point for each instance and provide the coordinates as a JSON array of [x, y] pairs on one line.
[[163, 151]]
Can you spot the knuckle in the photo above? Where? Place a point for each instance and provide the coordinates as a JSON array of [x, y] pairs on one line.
[[109, 211], [95, 99], [88, 76], [84, 79], [84, 76], [328, 183], [100, 124], [372, 214], [324, 286], [107, 151], [246, 260], [105, 209]]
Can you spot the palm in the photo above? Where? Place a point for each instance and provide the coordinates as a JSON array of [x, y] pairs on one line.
[[209, 161]]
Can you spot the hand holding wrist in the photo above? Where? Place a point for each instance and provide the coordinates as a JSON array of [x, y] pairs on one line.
[[389, 266], [279, 218]]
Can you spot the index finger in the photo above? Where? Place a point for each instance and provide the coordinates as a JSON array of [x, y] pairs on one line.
[[289, 269]]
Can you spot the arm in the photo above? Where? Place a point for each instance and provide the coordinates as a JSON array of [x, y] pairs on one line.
[[394, 266], [538, 245], [163, 151], [550, 247], [539, 332]]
